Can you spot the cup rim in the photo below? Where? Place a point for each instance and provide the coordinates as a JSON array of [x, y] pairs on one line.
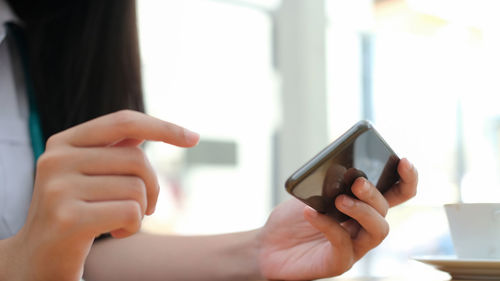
[[473, 204]]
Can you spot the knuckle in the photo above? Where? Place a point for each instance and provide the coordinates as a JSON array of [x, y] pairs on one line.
[[385, 207], [54, 190], [139, 163], [132, 215], [52, 141], [65, 218], [138, 189], [382, 233], [51, 159], [139, 158], [124, 117], [138, 185], [155, 188], [46, 160]]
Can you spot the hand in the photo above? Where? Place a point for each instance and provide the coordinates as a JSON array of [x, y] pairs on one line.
[[92, 179], [298, 243]]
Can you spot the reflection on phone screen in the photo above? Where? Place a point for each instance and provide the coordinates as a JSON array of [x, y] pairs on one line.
[[366, 155]]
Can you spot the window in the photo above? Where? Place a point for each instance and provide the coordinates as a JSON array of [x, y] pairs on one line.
[[207, 66], [431, 91], [424, 72]]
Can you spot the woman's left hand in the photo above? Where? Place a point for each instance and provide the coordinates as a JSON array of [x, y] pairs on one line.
[[297, 243]]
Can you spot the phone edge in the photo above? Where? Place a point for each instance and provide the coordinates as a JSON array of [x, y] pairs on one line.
[[310, 166]]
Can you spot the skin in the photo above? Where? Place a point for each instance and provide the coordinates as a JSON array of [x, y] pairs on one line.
[[315, 246], [93, 179]]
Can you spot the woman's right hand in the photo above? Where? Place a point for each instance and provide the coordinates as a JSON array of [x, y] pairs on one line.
[[92, 179]]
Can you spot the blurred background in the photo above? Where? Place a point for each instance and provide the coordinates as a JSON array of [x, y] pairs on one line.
[[269, 83]]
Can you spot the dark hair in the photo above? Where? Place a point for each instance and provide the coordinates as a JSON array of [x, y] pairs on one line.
[[84, 58]]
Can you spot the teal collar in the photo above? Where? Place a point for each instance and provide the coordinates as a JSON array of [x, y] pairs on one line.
[[35, 128]]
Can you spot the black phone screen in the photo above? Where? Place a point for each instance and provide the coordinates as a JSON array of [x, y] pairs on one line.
[[360, 152]]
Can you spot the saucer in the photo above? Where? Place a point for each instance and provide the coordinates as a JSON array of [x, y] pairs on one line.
[[459, 269]]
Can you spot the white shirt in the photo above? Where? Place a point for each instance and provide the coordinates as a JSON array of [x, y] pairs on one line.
[[16, 155]]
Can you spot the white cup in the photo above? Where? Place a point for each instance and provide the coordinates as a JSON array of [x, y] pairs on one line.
[[475, 229]]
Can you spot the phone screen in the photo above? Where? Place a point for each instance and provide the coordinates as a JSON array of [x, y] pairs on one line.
[[361, 151]]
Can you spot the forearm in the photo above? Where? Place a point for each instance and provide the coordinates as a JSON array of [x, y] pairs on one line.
[[12, 266], [4, 260], [159, 257]]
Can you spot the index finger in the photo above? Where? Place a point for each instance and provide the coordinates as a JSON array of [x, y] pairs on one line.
[[127, 124], [406, 188]]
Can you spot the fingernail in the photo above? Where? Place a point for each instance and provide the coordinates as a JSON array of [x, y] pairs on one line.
[[347, 201], [365, 186], [410, 165], [191, 137]]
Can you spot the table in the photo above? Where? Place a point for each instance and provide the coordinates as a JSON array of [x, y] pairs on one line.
[[417, 271], [403, 278]]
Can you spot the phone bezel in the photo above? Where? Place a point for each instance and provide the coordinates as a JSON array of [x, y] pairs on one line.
[[330, 151]]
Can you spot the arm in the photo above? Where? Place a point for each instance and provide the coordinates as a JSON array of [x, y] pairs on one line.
[[297, 243], [6, 261], [92, 179], [159, 257]]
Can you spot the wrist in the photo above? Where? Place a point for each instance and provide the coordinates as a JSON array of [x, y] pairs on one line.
[[10, 260], [250, 248], [238, 256], [23, 260]]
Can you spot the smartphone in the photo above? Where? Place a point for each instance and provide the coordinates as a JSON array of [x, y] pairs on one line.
[[359, 152]]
